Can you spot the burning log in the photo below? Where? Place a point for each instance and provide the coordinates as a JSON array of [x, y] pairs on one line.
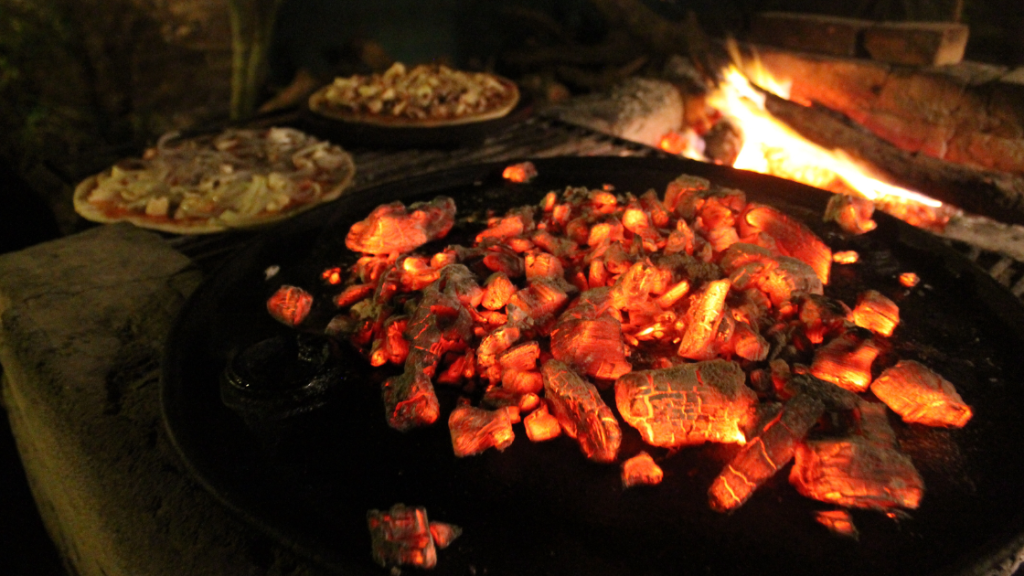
[[921, 396], [641, 470], [391, 229], [474, 430], [984, 191], [766, 454], [581, 412], [861, 471], [688, 404]]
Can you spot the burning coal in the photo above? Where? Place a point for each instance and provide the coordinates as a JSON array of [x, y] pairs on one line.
[[696, 317]]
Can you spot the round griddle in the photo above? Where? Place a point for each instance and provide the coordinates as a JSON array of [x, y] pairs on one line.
[[308, 478]]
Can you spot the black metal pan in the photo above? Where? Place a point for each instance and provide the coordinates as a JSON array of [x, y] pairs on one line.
[[308, 477]]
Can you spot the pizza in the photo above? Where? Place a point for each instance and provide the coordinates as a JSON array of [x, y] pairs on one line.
[[237, 178], [427, 95]]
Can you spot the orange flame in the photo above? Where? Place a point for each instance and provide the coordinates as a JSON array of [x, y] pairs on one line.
[[771, 147]]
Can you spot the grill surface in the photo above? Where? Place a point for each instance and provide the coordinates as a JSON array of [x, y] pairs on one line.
[[542, 508]]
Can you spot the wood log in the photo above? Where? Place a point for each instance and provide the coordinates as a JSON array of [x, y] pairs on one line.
[[996, 195], [908, 43], [917, 43], [971, 114], [816, 33]]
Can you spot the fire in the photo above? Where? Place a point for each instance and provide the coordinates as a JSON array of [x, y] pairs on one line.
[[771, 147]]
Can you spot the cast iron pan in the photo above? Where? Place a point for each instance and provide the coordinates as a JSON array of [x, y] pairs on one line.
[[308, 478], [363, 135]]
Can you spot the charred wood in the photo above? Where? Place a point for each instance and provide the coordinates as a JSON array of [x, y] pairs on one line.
[[997, 195]]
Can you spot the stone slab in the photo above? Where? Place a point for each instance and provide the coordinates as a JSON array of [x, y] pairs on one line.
[[82, 325]]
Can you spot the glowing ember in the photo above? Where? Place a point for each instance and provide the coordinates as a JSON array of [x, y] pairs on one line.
[[332, 275], [763, 456], [846, 362], [838, 522], [641, 470], [444, 534], [519, 173], [876, 313], [474, 430], [792, 238], [705, 312], [391, 229], [702, 321], [687, 404], [862, 471], [909, 279], [846, 257], [581, 412], [290, 305], [919, 395], [541, 425], [404, 536]]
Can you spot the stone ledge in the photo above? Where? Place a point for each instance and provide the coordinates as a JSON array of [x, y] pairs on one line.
[[82, 325]]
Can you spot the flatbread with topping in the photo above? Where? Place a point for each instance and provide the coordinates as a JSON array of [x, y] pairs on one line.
[[238, 178], [425, 96]]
